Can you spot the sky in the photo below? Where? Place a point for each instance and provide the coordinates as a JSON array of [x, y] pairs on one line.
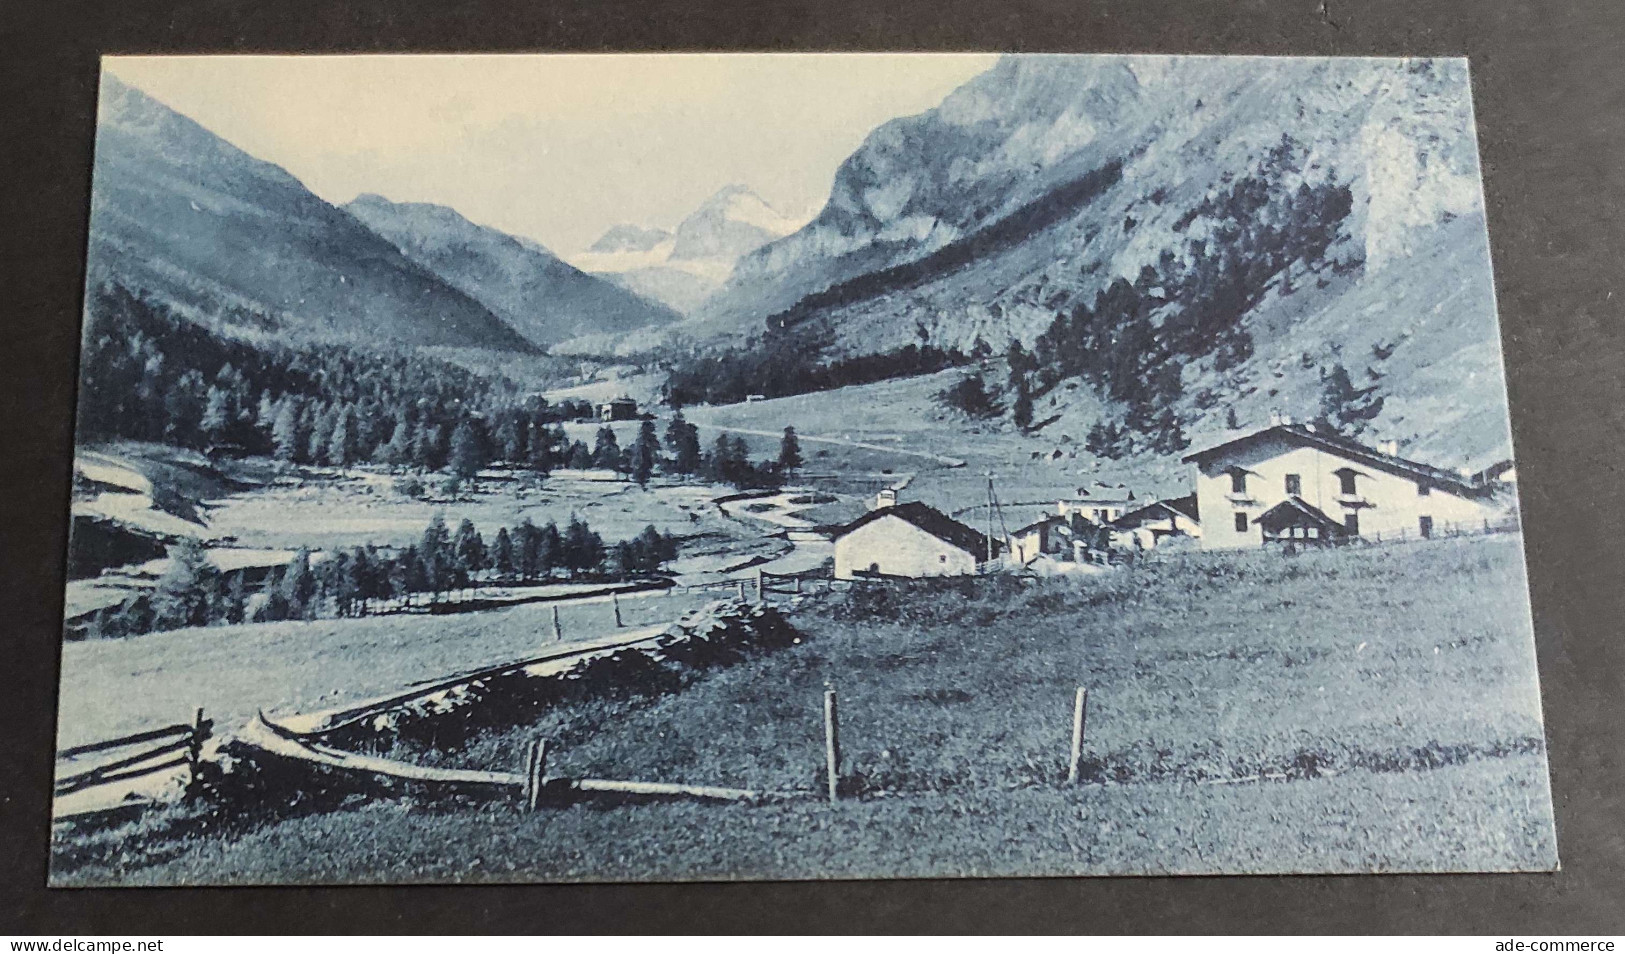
[[554, 147]]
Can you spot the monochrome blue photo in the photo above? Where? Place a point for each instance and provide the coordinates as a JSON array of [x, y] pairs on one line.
[[502, 468]]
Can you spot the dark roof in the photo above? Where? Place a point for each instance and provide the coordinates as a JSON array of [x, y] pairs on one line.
[[1049, 520], [1185, 505], [1493, 472], [932, 521], [1351, 449], [1180, 506], [1296, 512]]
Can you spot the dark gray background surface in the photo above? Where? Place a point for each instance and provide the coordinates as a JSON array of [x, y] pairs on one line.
[[1549, 88]]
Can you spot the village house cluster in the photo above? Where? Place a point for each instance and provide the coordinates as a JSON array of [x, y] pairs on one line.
[[1286, 484]]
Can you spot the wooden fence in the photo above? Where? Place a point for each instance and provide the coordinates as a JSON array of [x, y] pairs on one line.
[[178, 745]]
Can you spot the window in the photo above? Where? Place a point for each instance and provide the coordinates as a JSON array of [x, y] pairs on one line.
[[1238, 481], [1351, 523], [1423, 489], [1426, 526], [942, 558], [1346, 480], [1241, 523], [1294, 485]]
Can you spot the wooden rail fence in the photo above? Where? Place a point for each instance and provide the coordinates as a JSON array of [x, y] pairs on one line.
[[179, 745]]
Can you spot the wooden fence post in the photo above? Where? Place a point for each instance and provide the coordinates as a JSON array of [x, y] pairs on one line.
[[615, 600], [759, 584], [1080, 712], [558, 632], [535, 773], [741, 591], [194, 748], [832, 744]]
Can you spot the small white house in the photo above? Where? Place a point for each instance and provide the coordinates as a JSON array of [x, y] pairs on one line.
[[911, 540], [1293, 483]]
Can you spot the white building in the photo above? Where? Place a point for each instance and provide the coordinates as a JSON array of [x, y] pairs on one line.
[[911, 540], [1098, 504], [1293, 483]]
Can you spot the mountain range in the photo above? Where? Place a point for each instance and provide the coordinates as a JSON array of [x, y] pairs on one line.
[[1037, 184], [1023, 196], [519, 280], [179, 213], [684, 266]]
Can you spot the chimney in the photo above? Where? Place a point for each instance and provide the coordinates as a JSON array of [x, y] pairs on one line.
[[1391, 448], [1275, 417], [886, 498]]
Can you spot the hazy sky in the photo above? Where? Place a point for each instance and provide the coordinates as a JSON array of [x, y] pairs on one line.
[[561, 147]]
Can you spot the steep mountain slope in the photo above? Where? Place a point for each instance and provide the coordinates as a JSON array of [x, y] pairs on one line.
[[547, 300], [682, 268], [180, 213], [1326, 210]]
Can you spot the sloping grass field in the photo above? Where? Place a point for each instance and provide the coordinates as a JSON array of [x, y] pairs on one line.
[[1356, 710]]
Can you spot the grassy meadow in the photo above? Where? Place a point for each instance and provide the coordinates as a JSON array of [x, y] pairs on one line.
[[1362, 709]]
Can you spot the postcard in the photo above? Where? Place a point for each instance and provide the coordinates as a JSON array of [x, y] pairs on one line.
[[733, 467]]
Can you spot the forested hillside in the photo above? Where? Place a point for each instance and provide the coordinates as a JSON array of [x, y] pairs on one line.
[[180, 213], [1200, 240], [146, 373]]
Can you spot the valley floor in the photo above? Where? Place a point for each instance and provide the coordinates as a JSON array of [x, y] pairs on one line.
[[1371, 709]]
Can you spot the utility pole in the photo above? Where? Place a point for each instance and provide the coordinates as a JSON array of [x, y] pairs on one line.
[[990, 517]]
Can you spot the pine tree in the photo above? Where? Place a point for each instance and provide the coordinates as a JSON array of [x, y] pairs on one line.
[[684, 440], [541, 451], [321, 434], [549, 549], [184, 594], [405, 575], [468, 456], [435, 552], [583, 550], [235, 606], [645, 453], [526, 540], [790, 452], [510, 441], [340, 444], [427, 447], [398, 450], [298, 588], [470, 549], [1344, 408], [216, 415], [606, 450], [1022, 413], [502, 556], [360, 579], [1231, 422], [183, 406], [285, 429], [265, 411]]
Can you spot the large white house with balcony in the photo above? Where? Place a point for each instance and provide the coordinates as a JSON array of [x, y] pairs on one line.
[[1292, 483]]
